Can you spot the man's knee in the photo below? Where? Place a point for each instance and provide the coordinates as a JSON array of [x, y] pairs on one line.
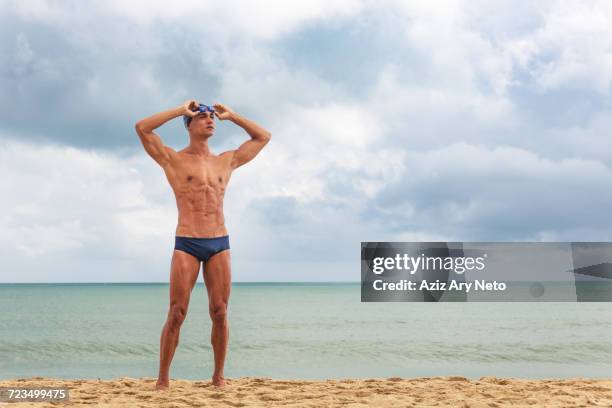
[[176, 316], [218, 312]]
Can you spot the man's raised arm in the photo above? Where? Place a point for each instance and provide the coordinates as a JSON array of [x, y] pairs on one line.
[[249, 149], [151, 141]]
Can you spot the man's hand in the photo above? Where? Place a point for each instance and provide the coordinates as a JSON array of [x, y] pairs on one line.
[[188, 106], [222, 111]]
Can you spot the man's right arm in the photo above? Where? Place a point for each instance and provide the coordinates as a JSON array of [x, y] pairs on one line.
[[151, 141]]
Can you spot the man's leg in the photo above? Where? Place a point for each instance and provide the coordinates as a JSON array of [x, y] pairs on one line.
[[217, 276], [183, 276]]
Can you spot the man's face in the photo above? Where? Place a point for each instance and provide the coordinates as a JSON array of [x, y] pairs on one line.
[[203, 124]]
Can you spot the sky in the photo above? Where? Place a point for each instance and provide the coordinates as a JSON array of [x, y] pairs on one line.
[[390, 120]]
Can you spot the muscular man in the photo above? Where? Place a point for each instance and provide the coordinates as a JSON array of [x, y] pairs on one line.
[[198, 178]]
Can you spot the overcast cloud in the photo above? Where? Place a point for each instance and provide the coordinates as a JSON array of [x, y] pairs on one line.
[[391, 121]]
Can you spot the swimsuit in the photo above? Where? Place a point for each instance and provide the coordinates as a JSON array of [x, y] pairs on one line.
[[202, 248]]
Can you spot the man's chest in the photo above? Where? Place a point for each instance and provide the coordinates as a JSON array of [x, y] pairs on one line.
[[196, 173]]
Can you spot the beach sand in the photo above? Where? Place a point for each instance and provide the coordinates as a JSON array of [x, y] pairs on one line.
[[389, 392]]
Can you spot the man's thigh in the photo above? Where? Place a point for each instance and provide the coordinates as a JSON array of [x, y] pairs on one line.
[[184, 272], [218, 277]]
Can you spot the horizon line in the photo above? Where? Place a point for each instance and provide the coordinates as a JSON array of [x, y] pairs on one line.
[[165, 282]]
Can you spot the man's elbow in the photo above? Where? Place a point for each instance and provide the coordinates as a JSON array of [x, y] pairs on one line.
[[139, 128], [267, 137], [142, 130]]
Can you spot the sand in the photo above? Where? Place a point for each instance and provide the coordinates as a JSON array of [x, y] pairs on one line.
[[389, 392]]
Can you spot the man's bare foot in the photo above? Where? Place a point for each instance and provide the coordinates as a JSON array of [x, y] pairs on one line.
[[218, 380], [162, 386]]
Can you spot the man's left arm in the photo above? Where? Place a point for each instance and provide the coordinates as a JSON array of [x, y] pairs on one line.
[[249, 149]]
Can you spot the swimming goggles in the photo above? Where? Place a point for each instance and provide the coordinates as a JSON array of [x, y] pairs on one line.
[[205, 108], [201, 109]]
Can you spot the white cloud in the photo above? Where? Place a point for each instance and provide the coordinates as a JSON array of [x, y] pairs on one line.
[[57, 199], [437, 124], [559, 44], [575, 44], [262, 20], [265, 19]]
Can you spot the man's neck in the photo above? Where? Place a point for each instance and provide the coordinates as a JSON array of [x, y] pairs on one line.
[[198, 147]]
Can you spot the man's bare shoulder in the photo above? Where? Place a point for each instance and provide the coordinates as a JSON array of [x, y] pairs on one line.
[[227, 156], [170, 151], [227, 153], [182, 151]]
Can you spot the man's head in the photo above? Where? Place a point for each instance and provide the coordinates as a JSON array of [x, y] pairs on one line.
[[202, 125]]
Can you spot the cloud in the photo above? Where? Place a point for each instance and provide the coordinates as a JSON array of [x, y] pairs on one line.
[[468, 192], [91, 73], [78, 207], [274, 17], [66, 202], [575, 42], [391, 121], [82, 215]]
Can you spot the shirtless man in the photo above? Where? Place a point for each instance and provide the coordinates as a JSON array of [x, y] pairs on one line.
[[198, 178]]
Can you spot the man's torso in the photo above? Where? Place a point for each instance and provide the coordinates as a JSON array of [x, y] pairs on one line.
[[199, 184]]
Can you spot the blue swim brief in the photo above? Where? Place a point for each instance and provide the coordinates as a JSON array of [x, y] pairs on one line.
[[202, 248]]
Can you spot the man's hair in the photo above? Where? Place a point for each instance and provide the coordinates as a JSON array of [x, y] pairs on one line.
[[187, 121]]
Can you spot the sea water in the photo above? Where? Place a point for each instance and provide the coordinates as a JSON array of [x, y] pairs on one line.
[[295, 331]]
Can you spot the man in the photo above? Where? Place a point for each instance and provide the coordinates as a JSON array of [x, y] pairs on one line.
[[198, 178]]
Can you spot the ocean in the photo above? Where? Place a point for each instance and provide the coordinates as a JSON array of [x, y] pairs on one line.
[[296, 331]]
